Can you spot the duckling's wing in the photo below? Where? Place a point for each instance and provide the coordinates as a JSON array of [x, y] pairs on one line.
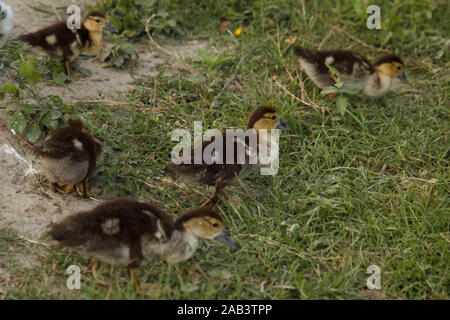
[[76, 149], [313, 63], [55, 149], [114, 231], [351, 65], [83, 232], [38, 38], [87, 146], [58, 40], [65, 142], [204, 173], [209, 170]]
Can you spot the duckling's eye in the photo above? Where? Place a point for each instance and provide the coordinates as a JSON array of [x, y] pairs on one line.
[[398, 68], [98, 21], [273, 117], [215, 225]]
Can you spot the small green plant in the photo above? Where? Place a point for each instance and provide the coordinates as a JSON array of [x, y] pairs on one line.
[[9, 53], [32, 113], [130, 17], [213, 64], [120, 55], [338, 89]]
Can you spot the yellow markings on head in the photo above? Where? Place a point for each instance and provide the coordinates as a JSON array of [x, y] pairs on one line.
[[268, 121], [392, 69], [94, 23], [205, 227], [398, 67]]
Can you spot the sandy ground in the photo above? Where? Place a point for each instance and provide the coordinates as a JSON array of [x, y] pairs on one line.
[[27, 208]]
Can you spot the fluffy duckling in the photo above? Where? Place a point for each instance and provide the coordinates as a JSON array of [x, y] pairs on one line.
[[70, 156], [6, 21], [67, 44], [222, 174], [129, 233], [356, 71]]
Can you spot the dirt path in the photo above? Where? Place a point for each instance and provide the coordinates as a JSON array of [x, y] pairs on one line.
[[103, 80], [30, 209]]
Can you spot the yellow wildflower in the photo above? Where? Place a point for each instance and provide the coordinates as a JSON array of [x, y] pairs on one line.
[[290, 40]]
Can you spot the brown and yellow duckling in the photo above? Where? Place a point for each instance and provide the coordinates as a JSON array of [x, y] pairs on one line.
[[67, 44], [221, 174], [356, 71], [129, 233], [69, 156]]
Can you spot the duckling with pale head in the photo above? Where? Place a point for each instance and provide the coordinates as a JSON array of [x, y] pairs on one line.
[[6, 21], [69, 156], [130, 233], [67, 44], [222, 174], [356, 71]]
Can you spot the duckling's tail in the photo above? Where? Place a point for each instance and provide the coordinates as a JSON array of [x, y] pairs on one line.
[[31, 38], [58, 237], [58, 232], [303, 52], [67, 233]]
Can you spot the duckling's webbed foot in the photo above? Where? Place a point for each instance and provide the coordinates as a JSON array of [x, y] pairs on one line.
[[212, 202], [62, 188], [85, 190], [70, 73], [94, 270]]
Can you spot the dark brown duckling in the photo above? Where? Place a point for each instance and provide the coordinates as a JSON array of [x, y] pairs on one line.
[[67, 44], [355, 70], [129, 233], [69, 156], [222, 174]]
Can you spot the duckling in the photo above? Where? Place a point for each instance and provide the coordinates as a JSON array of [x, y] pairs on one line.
[[69, 156], [356, 71], [129, 233], [67, 44], [222, 174], [6, 21]]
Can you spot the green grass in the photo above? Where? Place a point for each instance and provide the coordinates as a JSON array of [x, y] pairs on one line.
[[369, 187]]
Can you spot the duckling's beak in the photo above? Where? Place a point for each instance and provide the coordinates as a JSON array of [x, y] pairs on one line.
[[109, 27], [225, 238], [282, 125], [403, 78]]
